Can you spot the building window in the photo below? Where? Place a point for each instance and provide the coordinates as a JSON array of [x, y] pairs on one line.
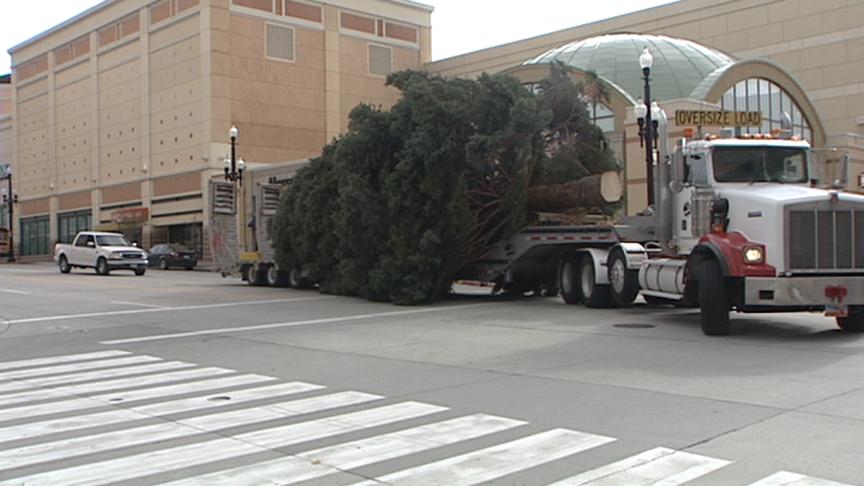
[[280, 42], [69, 224], [601, 115], [34, 236], [4, 220], [380, 60], [772, 101]]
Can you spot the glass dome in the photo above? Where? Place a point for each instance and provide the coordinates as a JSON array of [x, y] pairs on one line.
[[679, 65]]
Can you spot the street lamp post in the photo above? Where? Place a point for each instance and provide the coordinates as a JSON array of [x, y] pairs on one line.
[[233, 167], [646, 61], [10, 199]]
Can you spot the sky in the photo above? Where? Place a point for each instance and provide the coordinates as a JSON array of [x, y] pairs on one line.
[[496, 22]]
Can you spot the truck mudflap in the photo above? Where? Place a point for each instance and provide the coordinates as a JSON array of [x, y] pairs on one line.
[[834, 293]]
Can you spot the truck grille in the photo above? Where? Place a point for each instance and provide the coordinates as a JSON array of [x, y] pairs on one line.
[[825, 240], [133, 256]]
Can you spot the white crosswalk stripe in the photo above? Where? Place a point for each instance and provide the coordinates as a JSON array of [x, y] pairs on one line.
[[101, 400], [497, 461], [67, 424], [329, 460], [25, 363], [70, 368], [173, 458], [122, 383], [785, 478], [68, 448], [30, 383], [657, 466], [109, 373], [130, 406]]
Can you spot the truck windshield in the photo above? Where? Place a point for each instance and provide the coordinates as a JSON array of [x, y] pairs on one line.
[[111, 240], [759, 164]]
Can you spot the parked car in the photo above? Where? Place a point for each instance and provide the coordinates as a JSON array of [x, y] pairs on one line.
[[172, 255], [103, 251]]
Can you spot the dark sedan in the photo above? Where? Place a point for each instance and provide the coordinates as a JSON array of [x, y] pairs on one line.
[[172, 255]]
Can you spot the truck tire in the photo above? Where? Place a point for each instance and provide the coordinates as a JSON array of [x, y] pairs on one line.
[[272, 275], [713, 299], [854, 322], [255, 277], [590, 293], [297, 280], [623, 282], [102, 266], [63, 265], [276, 277], [140, 271], [568, 279]]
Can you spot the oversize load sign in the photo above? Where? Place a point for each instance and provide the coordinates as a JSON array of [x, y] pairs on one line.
[[718, 118]]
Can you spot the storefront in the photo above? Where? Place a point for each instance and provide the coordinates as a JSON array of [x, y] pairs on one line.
[[69, 224], [129, 222], [35, 236]]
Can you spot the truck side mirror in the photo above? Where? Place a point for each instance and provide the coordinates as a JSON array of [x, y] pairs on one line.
[[135, 244], [90, 244]]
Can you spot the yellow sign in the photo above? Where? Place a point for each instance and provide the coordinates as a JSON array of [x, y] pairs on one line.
[[707, 118]]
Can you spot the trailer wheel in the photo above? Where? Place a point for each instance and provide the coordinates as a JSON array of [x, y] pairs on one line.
[[568, 279], [713, 299], [854, 322], [297, 280], [255, 277], [272, 275], [277, 278], [590, 293], [623, 282]]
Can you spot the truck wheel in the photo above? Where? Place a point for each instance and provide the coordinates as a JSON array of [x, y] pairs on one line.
[[272, 275], [297, 280], [254, 277], [854, 322], [64, 265], [276, 277], [713, 299], [102, 266], [590, 293], [623, 282], [140, 271], [568, 280]]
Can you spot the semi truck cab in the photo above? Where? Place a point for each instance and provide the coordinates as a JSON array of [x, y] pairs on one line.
[[752, 230]]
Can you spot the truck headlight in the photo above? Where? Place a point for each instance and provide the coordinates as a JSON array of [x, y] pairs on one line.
[[115, 256], [754, 255]]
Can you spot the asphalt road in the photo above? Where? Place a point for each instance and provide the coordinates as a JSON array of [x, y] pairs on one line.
[[188, 377]]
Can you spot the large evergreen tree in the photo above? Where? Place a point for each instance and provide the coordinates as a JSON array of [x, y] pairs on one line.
[[393, 208]]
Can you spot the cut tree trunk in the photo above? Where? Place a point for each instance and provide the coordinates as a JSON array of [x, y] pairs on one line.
[[592, 191]]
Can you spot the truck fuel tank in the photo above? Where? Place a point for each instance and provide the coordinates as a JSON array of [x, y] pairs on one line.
[[663, 275]]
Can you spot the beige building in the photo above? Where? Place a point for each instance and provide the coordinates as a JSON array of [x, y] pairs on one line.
[[121, 114], [6, 139], [813, 51]]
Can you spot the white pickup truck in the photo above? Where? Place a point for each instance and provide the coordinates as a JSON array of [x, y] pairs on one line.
[[102, 251]]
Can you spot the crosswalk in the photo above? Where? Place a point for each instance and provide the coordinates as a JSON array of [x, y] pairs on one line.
[[110, 416]]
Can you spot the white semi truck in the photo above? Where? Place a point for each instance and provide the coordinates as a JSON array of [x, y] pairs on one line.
[[737, 224]]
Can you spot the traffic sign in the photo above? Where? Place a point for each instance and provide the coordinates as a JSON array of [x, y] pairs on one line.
[[718, 118]]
